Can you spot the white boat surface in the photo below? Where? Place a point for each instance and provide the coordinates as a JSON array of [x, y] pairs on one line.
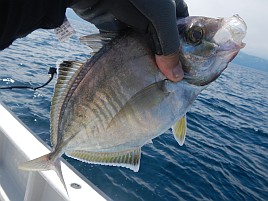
[[17, 145]]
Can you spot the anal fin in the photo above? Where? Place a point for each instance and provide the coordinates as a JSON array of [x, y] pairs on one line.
[[128, 159]]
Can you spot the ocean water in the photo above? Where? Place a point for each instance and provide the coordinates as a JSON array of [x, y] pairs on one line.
[[225, 155]]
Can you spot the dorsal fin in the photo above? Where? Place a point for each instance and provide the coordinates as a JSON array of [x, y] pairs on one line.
[[97, 41], [66, 83]]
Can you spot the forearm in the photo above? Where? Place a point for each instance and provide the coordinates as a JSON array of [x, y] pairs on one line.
[[18, 18]]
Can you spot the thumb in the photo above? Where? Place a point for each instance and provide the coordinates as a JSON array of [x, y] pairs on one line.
[[170, 66]]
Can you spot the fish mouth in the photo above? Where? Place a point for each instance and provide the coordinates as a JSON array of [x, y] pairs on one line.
[[229, 37], [233, 56], [230, 46]]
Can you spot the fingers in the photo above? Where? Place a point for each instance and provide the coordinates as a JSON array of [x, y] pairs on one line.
[[162, 17], [181, 9], [170, 66]]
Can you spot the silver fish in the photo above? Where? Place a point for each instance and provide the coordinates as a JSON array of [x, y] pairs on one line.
[[103, 111]]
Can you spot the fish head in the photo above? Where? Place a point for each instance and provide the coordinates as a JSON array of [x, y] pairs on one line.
[[207, 45]]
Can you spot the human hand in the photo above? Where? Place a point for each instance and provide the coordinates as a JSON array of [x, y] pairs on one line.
[[170, 66], [156, 18]]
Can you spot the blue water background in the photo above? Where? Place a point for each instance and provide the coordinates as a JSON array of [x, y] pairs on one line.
[[225, 155]]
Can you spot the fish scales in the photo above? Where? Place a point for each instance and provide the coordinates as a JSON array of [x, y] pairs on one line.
[[102, 79]]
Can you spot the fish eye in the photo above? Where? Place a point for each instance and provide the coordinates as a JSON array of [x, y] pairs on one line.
[[195, 34]]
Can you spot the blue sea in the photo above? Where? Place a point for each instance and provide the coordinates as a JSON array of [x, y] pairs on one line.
[[225, 155]]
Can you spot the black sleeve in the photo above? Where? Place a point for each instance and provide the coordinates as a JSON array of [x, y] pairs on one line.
[[163, 16], [155, 17], [18, 18]]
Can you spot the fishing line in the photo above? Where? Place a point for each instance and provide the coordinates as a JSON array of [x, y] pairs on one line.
[[64, 34], [52, 71]]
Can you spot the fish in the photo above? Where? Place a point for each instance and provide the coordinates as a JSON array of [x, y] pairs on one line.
[[105, 109]]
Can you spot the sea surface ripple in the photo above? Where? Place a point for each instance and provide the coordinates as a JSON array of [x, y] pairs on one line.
[[225, 155]]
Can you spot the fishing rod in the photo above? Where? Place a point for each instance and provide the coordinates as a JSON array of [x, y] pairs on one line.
[[52, 71]]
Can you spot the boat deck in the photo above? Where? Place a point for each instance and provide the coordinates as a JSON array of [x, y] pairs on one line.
[[18, 144]]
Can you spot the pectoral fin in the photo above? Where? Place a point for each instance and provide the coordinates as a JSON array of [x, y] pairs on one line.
[[128, 159], [97, 41], [144, 100], [179, 130], [149, 96]]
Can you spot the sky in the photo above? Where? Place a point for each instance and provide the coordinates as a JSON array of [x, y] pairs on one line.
[[254, 13]]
